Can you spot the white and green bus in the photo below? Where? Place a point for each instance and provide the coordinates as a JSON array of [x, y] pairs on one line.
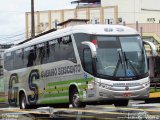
[[78, 65]]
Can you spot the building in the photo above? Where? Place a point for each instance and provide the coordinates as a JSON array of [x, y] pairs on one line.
[[130, 11], [145, 12], [46, 20], [143, 15], [73, 22]]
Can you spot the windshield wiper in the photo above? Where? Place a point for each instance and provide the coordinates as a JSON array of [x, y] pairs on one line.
[[118, 63], [120, 59], [130, 63]]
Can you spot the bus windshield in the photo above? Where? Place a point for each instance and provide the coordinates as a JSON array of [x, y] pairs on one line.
[[120, 56]]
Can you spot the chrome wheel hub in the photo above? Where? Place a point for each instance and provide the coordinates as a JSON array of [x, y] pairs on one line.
[[23, 103], [76, 99]]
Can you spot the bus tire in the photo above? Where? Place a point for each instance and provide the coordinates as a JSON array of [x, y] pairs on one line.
[[120, 103], [23, 101], [148, 100], [75, 99], [60, 105]]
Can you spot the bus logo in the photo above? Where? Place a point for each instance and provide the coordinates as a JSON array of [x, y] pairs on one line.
[[126, 88], [119, 30], [108, 30]]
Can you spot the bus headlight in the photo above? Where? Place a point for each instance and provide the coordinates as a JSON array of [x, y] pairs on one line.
[[91, 85], [146, 84], [105, 86]]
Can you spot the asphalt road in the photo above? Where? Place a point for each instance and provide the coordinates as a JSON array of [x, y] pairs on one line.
[[136, 110]]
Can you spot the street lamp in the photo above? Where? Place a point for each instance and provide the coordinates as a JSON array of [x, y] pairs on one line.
[[32, 20]]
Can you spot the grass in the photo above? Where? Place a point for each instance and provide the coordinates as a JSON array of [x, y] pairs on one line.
[[3, 99]]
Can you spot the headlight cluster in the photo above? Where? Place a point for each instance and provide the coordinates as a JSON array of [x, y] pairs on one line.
[[146, 84], [104, 86], [91, 85]]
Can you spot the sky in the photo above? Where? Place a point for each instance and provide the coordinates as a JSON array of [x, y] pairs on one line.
[[12, 16]]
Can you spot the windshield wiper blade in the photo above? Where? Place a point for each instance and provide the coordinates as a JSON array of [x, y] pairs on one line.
[[120, 59], [130, 63], [118, 63], [125, 59]]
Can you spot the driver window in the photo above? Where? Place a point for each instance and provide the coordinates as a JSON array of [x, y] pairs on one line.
[[87, 61]]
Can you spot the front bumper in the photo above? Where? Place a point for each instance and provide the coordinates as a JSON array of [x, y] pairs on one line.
[[103, 94]]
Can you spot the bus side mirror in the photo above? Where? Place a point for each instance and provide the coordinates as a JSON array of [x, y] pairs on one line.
[[153, 47], [92, 48]]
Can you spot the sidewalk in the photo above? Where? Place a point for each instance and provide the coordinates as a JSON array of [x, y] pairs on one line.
[[4, 105]]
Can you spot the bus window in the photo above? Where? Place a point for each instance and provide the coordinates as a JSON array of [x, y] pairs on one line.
[[18, 59], [88, 61], [51, 49], [66, 49], [79, 38], [29, 56], [8, 61], [41, 52]]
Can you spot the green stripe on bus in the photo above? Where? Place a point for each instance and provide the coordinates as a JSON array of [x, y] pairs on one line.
[[59, 94], [59, 100], [70, 81], [56, 95], [64, 88], [55, 101], [83, 87], [57, 89]]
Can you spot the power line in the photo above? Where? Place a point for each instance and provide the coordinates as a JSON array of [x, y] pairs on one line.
[[13, 12], [11, 37], [12, 34], [15, 35], [23, 38]]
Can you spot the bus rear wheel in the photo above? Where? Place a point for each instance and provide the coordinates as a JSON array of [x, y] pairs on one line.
[[75, 99], [121, 103], [23, 101]]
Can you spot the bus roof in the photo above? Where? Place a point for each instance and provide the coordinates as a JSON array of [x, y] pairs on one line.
[[105, 29], [99, 29]]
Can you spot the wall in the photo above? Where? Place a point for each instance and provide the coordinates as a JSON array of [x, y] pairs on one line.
[[144, 11], [45, 20]]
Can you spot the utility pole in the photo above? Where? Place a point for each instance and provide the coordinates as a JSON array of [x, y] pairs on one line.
[[32, 20]]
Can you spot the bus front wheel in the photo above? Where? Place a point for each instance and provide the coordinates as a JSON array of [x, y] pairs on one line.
[[75, 99], [120, 103], [23, 101]]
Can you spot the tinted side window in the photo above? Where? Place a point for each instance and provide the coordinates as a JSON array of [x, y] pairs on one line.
[[61, 49], [41, 52], [18, 59], [79, 38], [88, 61], [52, 47], [66, 49], [8, 61], [29, 56]]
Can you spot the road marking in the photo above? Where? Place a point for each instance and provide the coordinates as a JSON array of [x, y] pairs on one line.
[[90, 111], [137, 109], [148, 105], [23, 111], [82, 116]]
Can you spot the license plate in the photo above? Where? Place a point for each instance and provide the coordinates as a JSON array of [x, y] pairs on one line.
[[127, 94]]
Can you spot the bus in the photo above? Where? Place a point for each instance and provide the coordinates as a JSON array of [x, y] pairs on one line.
[[154, 73], [78, 65]]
